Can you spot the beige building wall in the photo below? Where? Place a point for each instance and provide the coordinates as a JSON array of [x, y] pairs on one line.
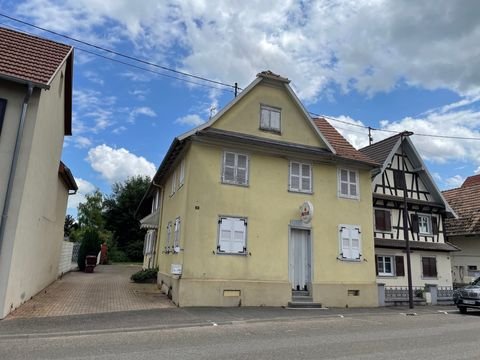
[[444, 274], [465, 261], [34, 231]]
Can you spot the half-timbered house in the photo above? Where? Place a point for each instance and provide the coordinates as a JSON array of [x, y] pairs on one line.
[[403, 168]]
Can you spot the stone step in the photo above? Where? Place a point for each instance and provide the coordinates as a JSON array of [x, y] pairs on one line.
[[296, 298], [300, 293], [304, 305]]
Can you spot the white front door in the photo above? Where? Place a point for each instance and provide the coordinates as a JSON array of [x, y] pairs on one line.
[[300, 268]]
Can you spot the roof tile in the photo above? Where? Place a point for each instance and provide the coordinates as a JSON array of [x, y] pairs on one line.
[[342, 147], [465, 201], [30, 58]]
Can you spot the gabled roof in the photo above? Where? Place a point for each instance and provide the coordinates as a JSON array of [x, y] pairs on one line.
[[384, 150], [465, 200], [28, 59], [472, 180], [342, 147], [269, 77]]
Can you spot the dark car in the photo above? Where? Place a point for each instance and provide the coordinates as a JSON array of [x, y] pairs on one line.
[[468, 296]]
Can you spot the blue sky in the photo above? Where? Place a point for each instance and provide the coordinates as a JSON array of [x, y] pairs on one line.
[[397, 65]]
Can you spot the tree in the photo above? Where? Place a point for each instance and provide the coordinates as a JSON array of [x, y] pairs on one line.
[[119, 215], [90, 246], [69, 226], [90, 213]]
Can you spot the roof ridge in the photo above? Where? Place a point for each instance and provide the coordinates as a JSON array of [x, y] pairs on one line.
[[31, 36]]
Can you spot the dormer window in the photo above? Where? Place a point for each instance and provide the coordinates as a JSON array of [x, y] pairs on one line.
[[270, 118]]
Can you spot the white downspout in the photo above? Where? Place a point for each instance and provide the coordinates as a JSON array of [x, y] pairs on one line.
[[13, 166]]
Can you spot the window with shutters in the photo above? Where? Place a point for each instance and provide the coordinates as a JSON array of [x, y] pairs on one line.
[[3, 106], [181, 176], [173, 188], [383, 220], [270, 118], [169, 235], [232, 235], [399, 179], [235, 168], [300, 178], [350, 242], [176, 236], [429, 267], [348, 184]]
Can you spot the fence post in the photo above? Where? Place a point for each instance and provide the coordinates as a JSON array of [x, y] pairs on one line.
[[381, 294], [432, 289]]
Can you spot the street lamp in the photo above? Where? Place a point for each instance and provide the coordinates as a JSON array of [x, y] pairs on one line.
[[403, 136]]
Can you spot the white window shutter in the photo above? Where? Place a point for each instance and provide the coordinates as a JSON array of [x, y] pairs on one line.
[[238, 241], [232, 235], [225, 235], [264, 118], [275, 120], [242, 169], [345, 239]]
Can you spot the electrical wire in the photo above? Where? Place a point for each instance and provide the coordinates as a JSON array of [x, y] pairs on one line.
[[120, 54]]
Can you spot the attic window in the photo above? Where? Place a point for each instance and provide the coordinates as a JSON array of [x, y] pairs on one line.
[[270, 118]]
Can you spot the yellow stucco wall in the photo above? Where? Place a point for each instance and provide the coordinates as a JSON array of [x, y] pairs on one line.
[[468, 256], [244, 116], [33, 240], [270, 208]]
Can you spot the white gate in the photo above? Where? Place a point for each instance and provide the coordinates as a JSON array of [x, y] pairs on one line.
[[300, 267]]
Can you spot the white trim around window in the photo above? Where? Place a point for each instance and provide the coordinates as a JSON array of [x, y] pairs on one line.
[[386, 265], [176, 235], [181, 177], [348, 183], [350, 242], [235, 168], [300, 177], [169, 236], [173, 188], [270, 118], [424, 224]]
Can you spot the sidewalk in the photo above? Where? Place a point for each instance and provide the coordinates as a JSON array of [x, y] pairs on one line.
[[108, 289]]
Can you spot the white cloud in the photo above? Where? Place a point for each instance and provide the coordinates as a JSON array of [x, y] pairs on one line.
[[82, 142], [454, 181], [93, 77], [365, 45], [141, 111], [118, 164], [477, 171], [139, 94], [84, 187], [190, 120]]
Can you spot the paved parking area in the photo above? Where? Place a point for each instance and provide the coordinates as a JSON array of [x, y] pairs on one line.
[[108, 289]]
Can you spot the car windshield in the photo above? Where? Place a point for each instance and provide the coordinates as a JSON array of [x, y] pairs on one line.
[[476, 282]]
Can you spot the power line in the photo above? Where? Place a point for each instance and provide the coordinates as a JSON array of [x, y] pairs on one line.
[[394, 132], [120, 54]]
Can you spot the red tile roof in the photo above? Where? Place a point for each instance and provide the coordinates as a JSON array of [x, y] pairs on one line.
[[472, 180], [465, 201], [28, 58], [342, 147]]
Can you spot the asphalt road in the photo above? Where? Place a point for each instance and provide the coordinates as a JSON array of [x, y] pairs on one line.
[[354, 335]]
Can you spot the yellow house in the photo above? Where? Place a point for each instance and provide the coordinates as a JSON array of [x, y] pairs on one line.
[[35, 114], [263, 205]]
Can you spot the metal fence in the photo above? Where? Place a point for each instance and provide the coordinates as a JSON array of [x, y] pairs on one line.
[[76, 248], [400, 293]]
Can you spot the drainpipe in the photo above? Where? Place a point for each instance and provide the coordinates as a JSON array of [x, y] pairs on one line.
[[13, 165], [157, 243]]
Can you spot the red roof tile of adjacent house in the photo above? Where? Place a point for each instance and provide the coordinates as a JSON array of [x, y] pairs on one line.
[[472, 180], [342, 147], [465, 201], [28, 58]]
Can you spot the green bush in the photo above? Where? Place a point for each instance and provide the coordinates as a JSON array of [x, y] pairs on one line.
[[145, 275], [90, 245]]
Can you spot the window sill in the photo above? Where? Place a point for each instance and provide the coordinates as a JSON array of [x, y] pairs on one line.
[[389, 276], [300, 192], [384, 231], [349, 260], [272, 131], [234, 184], [234, 254], [348, 197]]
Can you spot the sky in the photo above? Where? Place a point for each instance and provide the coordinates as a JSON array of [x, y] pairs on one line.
[[390, 65]]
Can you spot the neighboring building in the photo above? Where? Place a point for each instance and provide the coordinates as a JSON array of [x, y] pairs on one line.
[[427, 210], [464, 231], [257, 206], [35, 114]]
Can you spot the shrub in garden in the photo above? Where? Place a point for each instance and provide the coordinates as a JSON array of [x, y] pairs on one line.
[[146, 275]]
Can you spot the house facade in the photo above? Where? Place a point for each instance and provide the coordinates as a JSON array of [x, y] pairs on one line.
[[35, 114], [403, 168], [464, 231], [259, 206]]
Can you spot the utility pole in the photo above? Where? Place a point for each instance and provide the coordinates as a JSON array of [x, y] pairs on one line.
[[403, 136], [370, 138], [236, 89]]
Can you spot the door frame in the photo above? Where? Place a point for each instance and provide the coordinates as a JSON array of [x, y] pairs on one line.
[[301, 226]]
